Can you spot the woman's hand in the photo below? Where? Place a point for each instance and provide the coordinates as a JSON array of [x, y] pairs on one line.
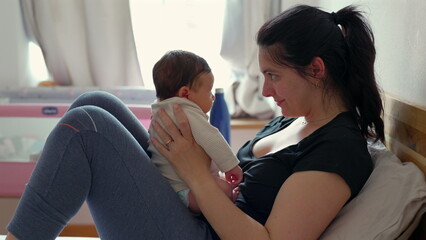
[[187, 157]]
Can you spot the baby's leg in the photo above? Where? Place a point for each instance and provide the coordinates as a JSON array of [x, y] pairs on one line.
[[192, 204], [227, 189], [223, 184]]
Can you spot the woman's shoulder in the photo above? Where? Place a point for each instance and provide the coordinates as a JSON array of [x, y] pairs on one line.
[[342, 126], [338, 147], [277, 123], [340, 137]]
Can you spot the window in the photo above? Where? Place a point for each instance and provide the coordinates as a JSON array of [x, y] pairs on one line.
[[192, 25], [37, 64], [162, 25]]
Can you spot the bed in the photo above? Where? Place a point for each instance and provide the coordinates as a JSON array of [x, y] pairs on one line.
[[392, 205], [405, 128]]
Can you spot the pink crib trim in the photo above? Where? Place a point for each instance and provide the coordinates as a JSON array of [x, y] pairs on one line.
[[57, 110], [13, 177], [32, 110]]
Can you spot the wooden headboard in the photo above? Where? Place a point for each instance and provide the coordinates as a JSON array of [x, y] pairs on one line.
[[405, 129]]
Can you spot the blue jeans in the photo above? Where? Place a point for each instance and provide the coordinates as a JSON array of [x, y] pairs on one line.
[[97, 153]]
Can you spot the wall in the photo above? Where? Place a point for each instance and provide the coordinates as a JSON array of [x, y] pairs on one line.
[[400, 43]]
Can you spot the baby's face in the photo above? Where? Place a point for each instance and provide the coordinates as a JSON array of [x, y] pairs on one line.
[[202, 95]]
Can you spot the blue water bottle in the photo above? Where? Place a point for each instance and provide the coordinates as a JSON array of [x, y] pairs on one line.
[[219, 115]]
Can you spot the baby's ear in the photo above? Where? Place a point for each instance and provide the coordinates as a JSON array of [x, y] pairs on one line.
[[183, 92]]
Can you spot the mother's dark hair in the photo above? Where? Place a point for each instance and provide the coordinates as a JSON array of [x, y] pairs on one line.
[[345, 42]]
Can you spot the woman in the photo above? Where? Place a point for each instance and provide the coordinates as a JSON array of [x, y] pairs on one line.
[[299, 170]]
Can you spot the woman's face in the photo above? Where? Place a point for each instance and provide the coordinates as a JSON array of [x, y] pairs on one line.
[[293, 93]]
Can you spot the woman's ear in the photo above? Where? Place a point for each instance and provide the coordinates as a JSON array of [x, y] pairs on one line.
[[318, 68], [183, 92]]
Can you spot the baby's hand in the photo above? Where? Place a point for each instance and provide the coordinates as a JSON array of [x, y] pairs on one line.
[[234, 176]]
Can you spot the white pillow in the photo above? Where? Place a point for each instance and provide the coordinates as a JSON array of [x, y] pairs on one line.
[[390, 204]]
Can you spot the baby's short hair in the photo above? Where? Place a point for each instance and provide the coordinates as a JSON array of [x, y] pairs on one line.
[[176, 69]]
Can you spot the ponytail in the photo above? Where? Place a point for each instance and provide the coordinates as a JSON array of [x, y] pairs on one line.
[[363, 95]]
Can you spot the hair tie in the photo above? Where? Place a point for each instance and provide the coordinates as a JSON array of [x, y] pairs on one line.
[[335, 18]]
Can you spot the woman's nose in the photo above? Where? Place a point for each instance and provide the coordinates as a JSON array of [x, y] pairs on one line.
[[267, 91]]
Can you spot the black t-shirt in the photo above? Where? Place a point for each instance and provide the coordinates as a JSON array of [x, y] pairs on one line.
[[336, 147]]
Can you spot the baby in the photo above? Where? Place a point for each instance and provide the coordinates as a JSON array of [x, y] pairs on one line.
[[184, 78]]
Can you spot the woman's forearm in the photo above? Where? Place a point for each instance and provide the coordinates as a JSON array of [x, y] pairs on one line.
[[228, 220]]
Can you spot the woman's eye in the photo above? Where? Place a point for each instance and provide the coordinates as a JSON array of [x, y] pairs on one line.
[[272, 76]]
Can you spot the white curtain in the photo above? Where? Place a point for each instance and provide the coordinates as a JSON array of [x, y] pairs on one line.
[[243, 18], [84, 42]]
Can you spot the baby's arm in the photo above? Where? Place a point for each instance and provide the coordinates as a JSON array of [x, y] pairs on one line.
[[212, 141]]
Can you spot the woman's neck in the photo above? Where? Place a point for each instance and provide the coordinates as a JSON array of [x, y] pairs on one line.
[[324, 112]]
